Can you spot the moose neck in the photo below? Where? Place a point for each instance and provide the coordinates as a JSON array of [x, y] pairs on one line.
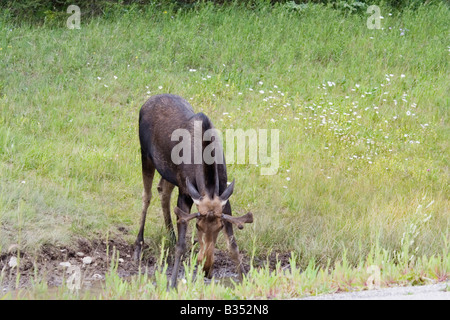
[[207, 179], [206, 173]]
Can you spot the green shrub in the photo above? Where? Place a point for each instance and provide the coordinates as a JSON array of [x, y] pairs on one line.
[[52, 10]]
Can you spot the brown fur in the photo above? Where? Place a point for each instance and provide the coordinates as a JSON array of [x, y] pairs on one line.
[[206, 184]]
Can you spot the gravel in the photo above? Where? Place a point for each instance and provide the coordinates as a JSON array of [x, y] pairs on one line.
[[439, 291]]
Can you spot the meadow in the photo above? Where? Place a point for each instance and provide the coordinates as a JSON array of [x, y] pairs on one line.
[[362, 116]]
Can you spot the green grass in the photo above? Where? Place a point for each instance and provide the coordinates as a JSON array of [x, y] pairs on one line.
[[379, 270], [362, 114]]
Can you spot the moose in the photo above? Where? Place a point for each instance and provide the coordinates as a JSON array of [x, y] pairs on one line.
[[203, 183]]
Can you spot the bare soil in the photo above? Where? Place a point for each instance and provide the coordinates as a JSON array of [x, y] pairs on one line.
[[95, 259]]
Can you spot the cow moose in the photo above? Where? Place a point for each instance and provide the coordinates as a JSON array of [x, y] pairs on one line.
[[204, 184]]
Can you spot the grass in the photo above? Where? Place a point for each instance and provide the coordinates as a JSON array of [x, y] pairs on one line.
[[379, 270], [362, 114]]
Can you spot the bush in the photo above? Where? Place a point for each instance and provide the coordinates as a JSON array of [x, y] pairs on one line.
[[51, 10]]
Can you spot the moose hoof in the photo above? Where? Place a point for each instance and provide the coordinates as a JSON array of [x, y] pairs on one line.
[[137, 253]]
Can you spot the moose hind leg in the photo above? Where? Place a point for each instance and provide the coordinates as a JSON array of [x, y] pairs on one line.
[[148, 171], [165, 189]]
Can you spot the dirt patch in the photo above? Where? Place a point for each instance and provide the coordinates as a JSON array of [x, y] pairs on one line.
[[93, 259]]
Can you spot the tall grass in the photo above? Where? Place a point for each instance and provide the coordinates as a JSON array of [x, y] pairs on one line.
[[362, 114]]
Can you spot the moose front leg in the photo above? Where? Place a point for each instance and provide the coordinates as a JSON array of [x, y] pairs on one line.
[[231, 240], [233, 248], [165, 189], [184, 206], [180, 249]]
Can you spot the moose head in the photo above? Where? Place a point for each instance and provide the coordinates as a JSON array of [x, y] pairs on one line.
[[210, 220]]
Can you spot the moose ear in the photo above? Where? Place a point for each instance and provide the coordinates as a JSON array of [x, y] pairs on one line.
[[193, 192], [227, 193]]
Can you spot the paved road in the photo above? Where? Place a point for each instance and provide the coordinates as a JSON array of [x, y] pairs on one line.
[[439, 291]]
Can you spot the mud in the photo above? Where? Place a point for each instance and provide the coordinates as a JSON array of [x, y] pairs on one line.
[[94, 259], [51, 263]]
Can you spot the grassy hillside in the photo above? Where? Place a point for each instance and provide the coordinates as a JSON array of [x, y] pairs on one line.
[[362, 117]]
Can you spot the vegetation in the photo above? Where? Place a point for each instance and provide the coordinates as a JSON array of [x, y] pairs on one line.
[[362, 116], [54, 11], [378, 270]]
